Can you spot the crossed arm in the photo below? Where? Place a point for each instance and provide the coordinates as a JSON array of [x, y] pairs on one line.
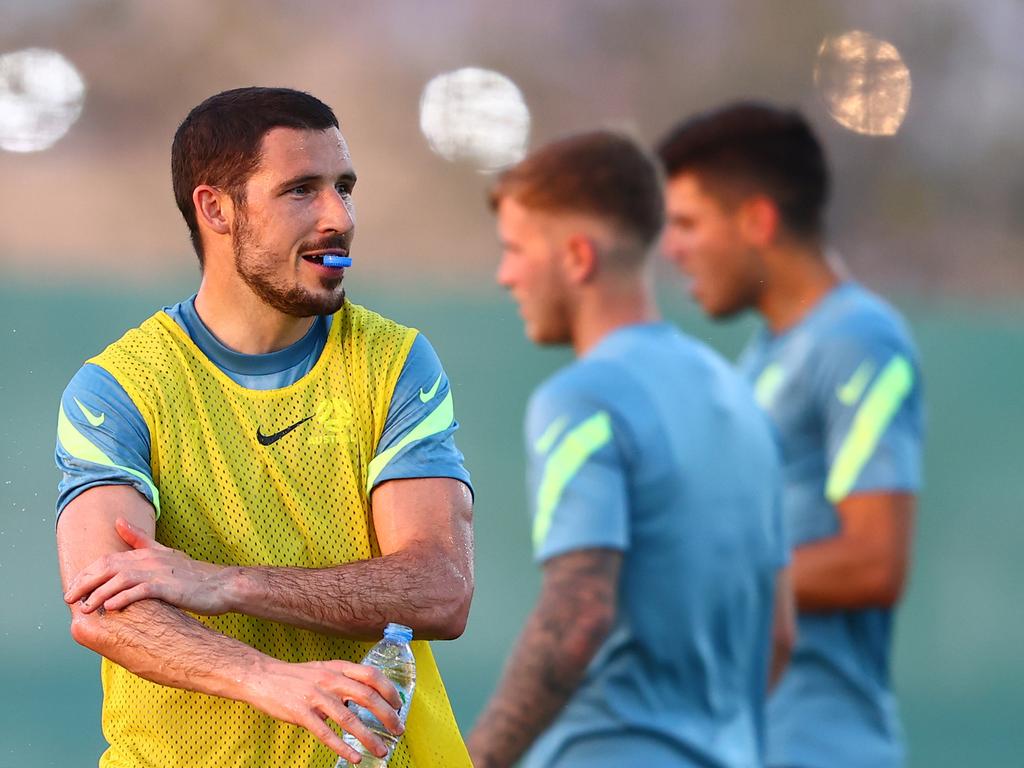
[[128, 595]]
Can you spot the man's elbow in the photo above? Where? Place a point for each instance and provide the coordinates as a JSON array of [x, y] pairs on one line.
[[86, 630], [886, 583], [586, 634], [453, 613], [889, 589]]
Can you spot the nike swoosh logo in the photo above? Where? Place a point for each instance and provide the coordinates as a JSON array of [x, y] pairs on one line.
[[91, 417], [271, 439], [426, 397], [767, 385], [850, 392]]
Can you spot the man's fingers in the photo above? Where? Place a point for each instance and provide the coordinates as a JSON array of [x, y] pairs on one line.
[[126, 597], [328, 737], [99, 572], [106, 590], [85, 583], [348, 689], [371, 677], [333, 708], [134, 537], [88, 579]]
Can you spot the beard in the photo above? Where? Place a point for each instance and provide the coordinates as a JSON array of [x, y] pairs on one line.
[[254, 264]]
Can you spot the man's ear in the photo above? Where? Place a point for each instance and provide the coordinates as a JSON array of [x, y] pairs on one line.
[[580, 259], [214, 209], [758, 219]]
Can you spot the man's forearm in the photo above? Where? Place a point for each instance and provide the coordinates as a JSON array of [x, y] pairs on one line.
[[423, 589], [162, 644], [537, 682], [839, 574], [158, 642], [571, 621]]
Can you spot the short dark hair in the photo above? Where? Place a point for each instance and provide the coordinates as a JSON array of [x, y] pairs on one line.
[[750, 147], [600, 173], [219, 142]]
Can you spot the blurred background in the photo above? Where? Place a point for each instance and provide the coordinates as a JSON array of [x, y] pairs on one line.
[[918, 104]]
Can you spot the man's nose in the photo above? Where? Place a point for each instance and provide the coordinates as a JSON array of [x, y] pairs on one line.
[[337, 214], [674, 251], [504, 276]]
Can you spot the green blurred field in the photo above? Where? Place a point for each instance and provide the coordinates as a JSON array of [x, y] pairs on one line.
[[958, 661]]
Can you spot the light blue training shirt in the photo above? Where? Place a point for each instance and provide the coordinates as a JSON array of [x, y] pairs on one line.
[[652, 445], [124, 437], [844, 391]]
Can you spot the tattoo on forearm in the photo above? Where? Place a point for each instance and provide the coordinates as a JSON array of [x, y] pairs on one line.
[[565, 630]]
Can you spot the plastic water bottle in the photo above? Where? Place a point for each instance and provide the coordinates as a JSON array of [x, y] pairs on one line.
[[394, 658]]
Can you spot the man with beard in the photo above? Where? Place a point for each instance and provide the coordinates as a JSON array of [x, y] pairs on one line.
[[836, 369], [655, 494], [259, 478]]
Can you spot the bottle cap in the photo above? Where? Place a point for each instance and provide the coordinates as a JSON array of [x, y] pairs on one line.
[[398, 633]]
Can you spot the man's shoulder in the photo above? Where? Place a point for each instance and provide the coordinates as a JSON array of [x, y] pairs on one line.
[[586, 380], [358, 319], [360, 327], [862, 319], [138, 341]]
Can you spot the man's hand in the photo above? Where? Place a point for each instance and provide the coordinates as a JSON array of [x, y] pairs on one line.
[[150, 571], [311, 693]]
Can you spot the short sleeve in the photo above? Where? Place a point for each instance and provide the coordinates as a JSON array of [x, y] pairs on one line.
[[419, 432], [576, 477], [102, 439], [869, 390]]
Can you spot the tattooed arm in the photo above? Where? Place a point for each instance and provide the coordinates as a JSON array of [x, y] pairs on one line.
[[571, 620]]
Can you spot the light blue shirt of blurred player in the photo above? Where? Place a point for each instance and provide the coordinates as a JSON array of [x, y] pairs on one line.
[[100, 408], [650, 444], [844, 391]]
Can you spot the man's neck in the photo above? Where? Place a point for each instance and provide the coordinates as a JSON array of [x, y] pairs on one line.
[[798, 278], [602, 309], [243, 322]]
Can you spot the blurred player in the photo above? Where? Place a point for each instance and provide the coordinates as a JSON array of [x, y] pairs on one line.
[[257, 479], [655, 489], [836, 370]]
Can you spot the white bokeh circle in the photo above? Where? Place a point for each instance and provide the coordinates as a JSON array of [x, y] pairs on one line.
[[475, 115], [41, 97], [864, 83]]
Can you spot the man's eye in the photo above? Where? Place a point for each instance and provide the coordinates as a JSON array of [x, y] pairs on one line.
[[344, 189], [299, 190]]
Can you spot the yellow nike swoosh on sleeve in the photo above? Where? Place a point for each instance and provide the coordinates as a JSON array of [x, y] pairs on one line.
[[91, 417], [850, 392]]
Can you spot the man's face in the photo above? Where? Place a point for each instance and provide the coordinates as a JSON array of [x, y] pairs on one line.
[[705, 240], [298, 206], [531, 271]]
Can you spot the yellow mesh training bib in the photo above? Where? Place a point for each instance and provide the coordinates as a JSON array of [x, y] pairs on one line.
[[276, 477]]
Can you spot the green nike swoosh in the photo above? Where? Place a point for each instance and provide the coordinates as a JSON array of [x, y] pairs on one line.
[[91, 417], [426, 397], [768, 384], [850, 392]]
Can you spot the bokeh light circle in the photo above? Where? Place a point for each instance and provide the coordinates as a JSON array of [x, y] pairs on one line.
[[475, 115], [863, 82], [41, 97]]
